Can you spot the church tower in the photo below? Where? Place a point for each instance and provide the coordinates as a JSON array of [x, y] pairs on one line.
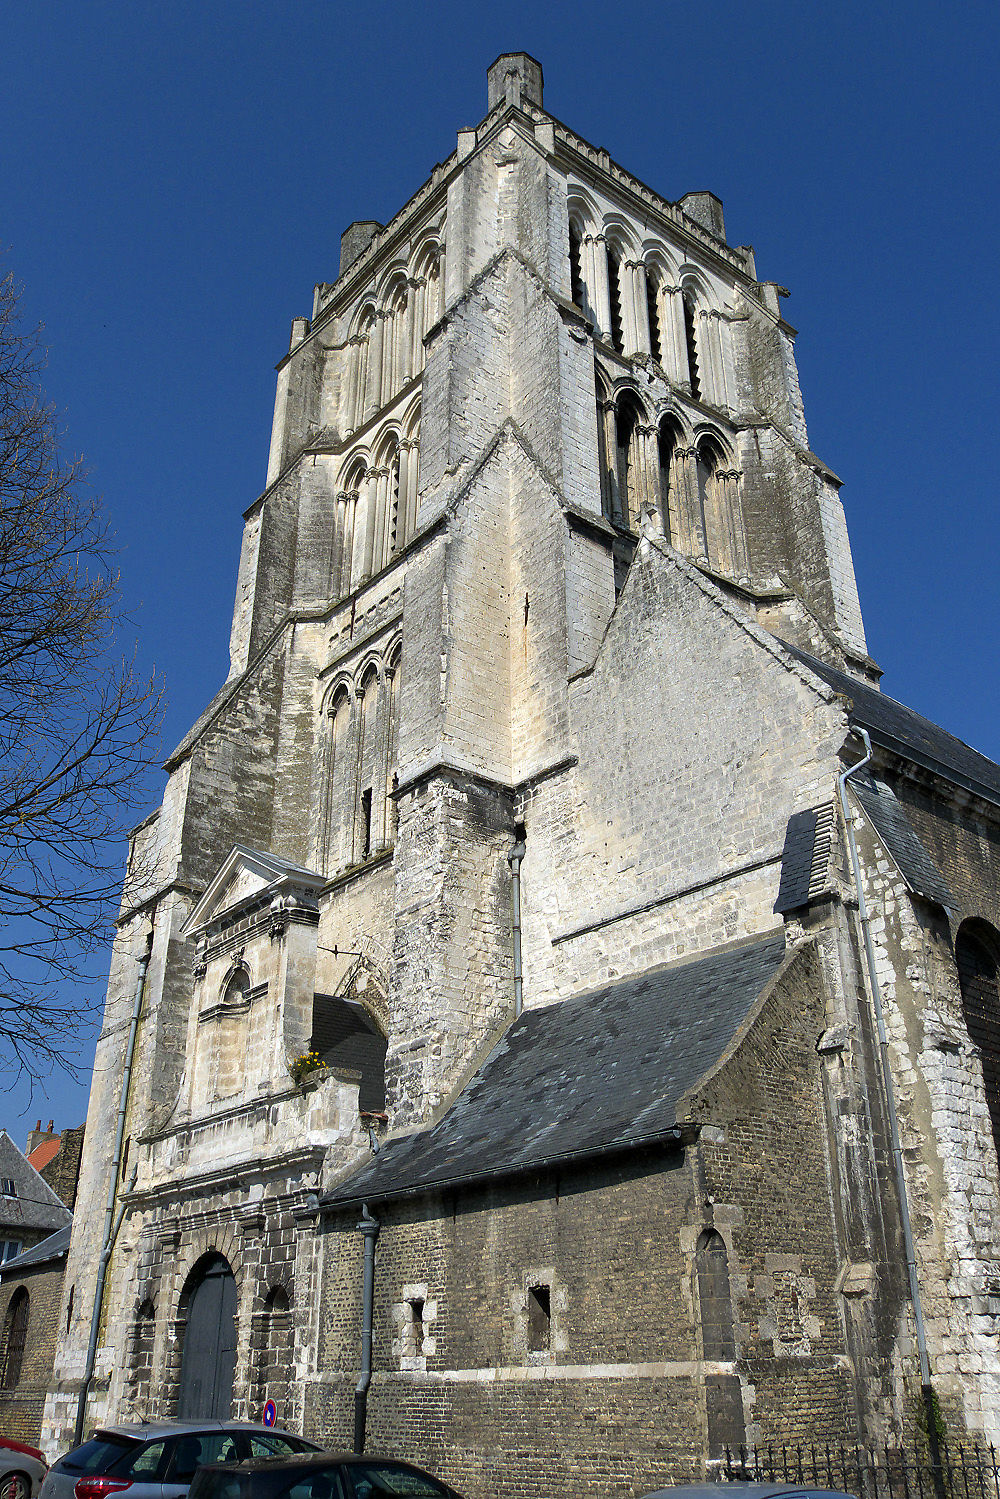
[[546, 658]]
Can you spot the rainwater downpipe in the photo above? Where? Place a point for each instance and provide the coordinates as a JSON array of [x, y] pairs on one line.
[[369, 1227], [897, 1153], [111, 1222], [514, 860]]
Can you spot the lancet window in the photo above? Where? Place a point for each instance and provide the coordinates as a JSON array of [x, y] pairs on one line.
[[629, 465], [979, 977], [691, 344], [376, 506], [385, 348], [359, 764]]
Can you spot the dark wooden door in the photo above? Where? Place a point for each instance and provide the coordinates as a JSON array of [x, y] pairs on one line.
[[209, 1359]]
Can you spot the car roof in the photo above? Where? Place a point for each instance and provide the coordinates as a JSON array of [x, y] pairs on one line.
[[143, 1430], [308, 1460], [742, 1490]]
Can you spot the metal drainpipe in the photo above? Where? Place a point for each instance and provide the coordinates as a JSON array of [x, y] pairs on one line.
[[514, 860], [111, 1223], [369, 1227], [897, 1153]]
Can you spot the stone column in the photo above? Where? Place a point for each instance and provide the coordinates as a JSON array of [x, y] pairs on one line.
[[408, 461], [607, 438], [418, 288], [373, 382], [675, 342], [379, 479], [639, 331], [689, 505], [602, 298], [648, 487]]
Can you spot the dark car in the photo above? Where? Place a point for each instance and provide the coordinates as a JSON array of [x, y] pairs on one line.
[[324, 1475], [157, 1459]]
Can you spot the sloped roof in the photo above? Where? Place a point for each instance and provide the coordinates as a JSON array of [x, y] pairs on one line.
[[34, 1204], [896, 727], [598, 1072], [43, 1154], [888, 817], [55, 1247]]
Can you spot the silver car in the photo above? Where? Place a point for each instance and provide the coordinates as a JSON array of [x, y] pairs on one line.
[[157, 1459], [22, 1469]]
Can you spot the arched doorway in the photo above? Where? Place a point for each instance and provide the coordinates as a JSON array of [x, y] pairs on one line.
[[208, 1362]]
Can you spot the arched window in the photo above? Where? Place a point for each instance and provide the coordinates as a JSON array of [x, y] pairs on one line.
[[653, 314], [707, 465], [395, 522], [975, 949], [723, 1396], [338, 791], [691, 341], [392, 737], [15, 1334], [615, 297], [628, 500], [371, 777], [576, 264], [668, 442]]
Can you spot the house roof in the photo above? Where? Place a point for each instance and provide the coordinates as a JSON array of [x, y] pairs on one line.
[[55, 1247], [33, 1204], [43, 1154], [897, 728], [597, 1072]]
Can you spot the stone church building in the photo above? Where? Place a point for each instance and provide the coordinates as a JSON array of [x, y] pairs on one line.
[[521, 809]]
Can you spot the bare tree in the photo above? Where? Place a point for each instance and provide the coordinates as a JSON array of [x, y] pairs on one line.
[[77, 730]]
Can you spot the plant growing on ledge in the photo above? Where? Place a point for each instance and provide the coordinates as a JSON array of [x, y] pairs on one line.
[[305, 1063]]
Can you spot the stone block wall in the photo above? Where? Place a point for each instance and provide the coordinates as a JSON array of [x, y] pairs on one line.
[[22, 1405]]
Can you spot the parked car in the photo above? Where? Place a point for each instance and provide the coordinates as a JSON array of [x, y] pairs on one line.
[[157, 1459], [22, 1470], [323, 1475], [740, 1490]]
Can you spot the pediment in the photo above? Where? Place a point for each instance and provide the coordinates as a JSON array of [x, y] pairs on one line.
[[245, 875]]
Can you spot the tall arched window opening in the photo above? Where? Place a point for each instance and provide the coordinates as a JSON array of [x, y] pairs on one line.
[[690, 339], [667, 448], [576, 264], [653, 314], [615, 298], [392, 746], [628, 469], [338, 783], [975, 950], [367, 839], [723, 1396], [15, 1335]]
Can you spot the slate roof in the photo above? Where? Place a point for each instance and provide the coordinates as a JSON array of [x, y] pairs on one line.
[[597, 1072], [34, 1204], [888, 817], [896, 727], [805, 858], [55, 1247]]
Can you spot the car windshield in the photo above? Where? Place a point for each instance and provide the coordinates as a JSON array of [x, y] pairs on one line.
[[100, 1454]]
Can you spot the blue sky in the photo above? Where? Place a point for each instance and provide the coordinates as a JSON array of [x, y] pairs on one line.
[[176, 178]]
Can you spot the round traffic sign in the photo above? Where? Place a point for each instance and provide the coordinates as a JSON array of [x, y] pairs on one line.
[[270, 1413]]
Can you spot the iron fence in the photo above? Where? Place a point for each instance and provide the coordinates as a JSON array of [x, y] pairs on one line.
[[964, 1472]]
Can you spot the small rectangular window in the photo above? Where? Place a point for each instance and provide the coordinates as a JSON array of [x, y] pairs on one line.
[[539, 1318], [7, 1187], [8, 1249]]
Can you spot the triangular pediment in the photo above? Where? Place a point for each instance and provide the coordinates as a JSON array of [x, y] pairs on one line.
[[243, 877]]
